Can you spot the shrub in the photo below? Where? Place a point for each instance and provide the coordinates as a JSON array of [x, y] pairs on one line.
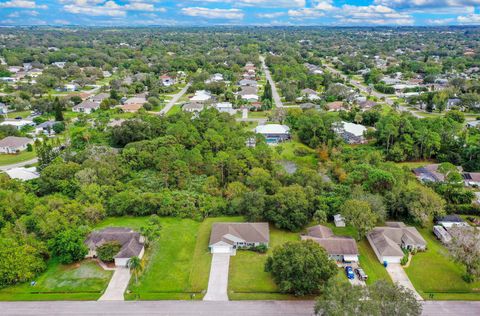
[[108, 250], [260, 248]]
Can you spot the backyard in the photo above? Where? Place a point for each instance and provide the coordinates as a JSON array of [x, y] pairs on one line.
[[80, 281], [436, 276], [21, 157]]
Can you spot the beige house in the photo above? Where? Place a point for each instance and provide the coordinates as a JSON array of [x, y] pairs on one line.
[[13, 144], [387, 242], [228, 237]]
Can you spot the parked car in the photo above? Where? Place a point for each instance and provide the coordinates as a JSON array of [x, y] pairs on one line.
[[361, 274], [349, 272]]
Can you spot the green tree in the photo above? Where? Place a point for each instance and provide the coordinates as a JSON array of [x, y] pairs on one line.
[[360, 215], [108, 251], [151, 231], [69, 246], [300, 268], [58, 108], [267, 93], [135, 265]]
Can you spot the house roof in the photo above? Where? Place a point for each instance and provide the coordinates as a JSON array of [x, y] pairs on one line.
[[22, 173], [354, 129], [87, 104], [100, 97], [248, 90], [239, 232], [471, 176], [337, 105], [309, 91], [387, 240], [270, 129], [334, 245], [195, 106], [131, 241], [131, 107], [15, 142], [136, 100], [453, 218]]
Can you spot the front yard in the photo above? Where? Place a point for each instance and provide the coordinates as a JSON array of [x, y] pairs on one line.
[[80, 281], [18, 158], [436, 276]]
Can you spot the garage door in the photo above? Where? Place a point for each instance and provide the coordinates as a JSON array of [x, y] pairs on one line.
[[221, 249]]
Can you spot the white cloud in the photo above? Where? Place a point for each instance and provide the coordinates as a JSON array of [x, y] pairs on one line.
[[427, 3], [305, 13], [229, 14], [440, 21], [270, 15], [108, 8], [261, 3], [469, 19], [22, 4], [17, 14]]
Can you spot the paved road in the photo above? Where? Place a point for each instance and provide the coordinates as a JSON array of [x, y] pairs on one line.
[[174, 100], [18, 165], [117, 285], [398, 275], [276, 97], [365, 89], [202, 308], [218, 280]]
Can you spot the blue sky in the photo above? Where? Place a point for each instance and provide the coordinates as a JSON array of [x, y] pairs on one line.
[[239, 12]]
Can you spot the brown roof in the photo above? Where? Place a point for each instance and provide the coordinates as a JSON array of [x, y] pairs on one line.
[[247, 232], [131, 241], [246, 90], [337, 105], [100, 97], [131, 107], [87, 105], [334, 245], [15, 142]]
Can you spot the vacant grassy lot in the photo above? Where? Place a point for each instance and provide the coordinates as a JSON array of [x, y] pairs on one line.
[[81, 281], [436, 276], [289, 151], [174, 110], [368, 260], [21, 157]]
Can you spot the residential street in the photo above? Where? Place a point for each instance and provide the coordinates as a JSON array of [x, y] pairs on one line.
[[363, 88], [202, 308], [174, 100], [276, 97]]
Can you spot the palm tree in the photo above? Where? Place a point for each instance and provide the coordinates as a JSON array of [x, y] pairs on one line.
[[135, 265]]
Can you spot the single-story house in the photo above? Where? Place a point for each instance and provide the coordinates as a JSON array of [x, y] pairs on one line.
[[23, 173], [70, 87], [473, 124], [132, 243], [453, 102], [429, 173], [139, 99], [387, 242], [339, 220], [351, 133], [248, 83], [193, 107], [167, 81], [225, 107], [449, 221], [335, 106], [19, 124], [339, 248], [100, 97], [201, 96], [13, 144], [310, 94], [131, 107], [367, 105], [45, 128], [86, 107], [471, 179], [215, 78], [274, 133], [228, 237], [442, 234]]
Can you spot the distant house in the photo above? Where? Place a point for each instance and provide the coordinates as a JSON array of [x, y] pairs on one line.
[[167, 81], [387, 242], [132, 243], [139, 99], [100, 97], [131, 107], [340, 249], [249, 93], [367, 105], [70, 87], [339, 220], [201, 96], [453, 102], [449, 221], [193, 107], [3, 108], [228, 237], [473, 124], [18, 124], [215, 78], [335, 106], [45, 128], [23, 174], [274, 133], [471, 179], [13, 144], [442, 234], [310, 94], [351, 133], [430, 173], [59, 64], [225, 107], [248, 83], [86, 107]]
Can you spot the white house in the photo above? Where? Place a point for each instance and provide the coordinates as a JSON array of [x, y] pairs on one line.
[[339, 220], [19, 124], [70, 87], [351, 133], [225, 107], [201, 96], [442, 234], [13, 144], [86, 107], [449, 221], [23, 174], [274, 133]]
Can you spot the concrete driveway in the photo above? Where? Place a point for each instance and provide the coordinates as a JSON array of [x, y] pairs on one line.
[[399, 276], [218, 281], [117, 286]]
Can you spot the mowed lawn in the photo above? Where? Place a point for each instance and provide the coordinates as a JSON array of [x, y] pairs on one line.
[[178, 266], [21, 157], [247, 277], [436, 276], [80, 281]]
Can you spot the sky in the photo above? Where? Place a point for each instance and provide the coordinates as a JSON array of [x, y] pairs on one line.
[[239, 12]]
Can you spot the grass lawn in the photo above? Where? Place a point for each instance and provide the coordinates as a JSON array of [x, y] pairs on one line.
[[288, 153], [81, 281], [21, 157], [258, 114], [368, 260], [415, 164], [254, 283], [23, 114], [436, 276], [179, 265], [174, 110]]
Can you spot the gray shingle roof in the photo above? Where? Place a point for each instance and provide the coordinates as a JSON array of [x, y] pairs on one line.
[[15, 142], [131, 241], [249, 232], [334, 245]]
